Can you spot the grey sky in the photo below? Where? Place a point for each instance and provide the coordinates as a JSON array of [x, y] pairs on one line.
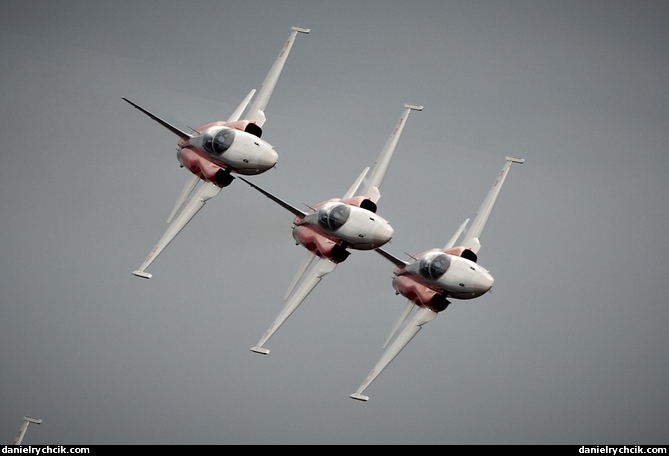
[[569, 348]]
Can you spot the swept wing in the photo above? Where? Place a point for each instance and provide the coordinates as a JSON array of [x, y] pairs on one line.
[[424, 314], [181, 214]]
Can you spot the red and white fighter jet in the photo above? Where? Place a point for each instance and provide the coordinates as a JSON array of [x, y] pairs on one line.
[[216, 150], [332, 227], [434, 276]]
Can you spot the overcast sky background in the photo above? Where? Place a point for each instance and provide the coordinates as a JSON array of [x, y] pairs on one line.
[[571, 346]]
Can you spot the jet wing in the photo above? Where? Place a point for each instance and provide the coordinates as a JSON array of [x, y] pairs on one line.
[[371, 188], [257, 110], [311, 279], [237, 113], [423, 316], [473, 236], [200, 197], [180, 133], [276, 199], [392, 258], [408, 307], [185, 191], [451, 242], [308, 259], [354, 188]]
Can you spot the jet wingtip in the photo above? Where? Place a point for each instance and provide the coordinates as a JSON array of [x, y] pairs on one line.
[[515, 160], [359, 397], [262, 351], [142, 274], [415, 107], [300, 29]]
